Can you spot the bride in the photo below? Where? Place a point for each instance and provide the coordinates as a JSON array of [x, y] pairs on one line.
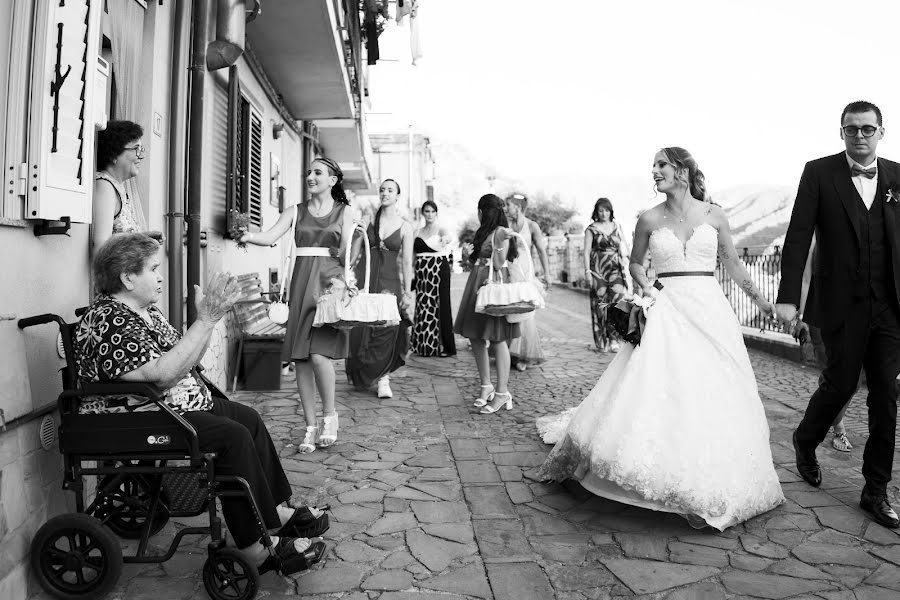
[[676, 424]]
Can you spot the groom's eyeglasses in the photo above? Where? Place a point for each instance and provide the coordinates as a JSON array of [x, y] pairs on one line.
[[853, 130]]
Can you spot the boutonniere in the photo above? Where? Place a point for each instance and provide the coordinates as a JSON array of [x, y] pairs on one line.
[[893, 193]]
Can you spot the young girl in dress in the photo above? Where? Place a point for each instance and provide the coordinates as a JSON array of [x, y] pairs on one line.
[[322, 229], [491, 243]]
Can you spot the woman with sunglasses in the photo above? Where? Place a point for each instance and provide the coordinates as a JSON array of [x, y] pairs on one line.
[[120, 152]]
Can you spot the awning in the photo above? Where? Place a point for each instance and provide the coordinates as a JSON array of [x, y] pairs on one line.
[[346, 141], [301, 48]]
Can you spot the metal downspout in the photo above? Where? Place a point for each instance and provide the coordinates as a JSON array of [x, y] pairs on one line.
[[177, 121], [200, 19]]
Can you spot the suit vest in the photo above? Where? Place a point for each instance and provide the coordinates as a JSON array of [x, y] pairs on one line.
[[875, 275]]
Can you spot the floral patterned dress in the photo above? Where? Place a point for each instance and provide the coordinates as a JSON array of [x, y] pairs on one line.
[[608, 284]]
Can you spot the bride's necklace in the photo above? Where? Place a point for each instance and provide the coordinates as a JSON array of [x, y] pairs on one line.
[[674, 216]]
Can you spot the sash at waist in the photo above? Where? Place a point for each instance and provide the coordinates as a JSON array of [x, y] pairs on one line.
[[312, 251], [687, 274], [418, 254]]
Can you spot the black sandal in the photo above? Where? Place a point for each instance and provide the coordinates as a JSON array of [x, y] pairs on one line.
[[303, 524], [288, 561]]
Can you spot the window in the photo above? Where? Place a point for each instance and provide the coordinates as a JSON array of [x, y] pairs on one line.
[[245, 175]]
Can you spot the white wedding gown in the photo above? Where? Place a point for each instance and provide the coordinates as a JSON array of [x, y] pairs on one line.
[[675, 424]]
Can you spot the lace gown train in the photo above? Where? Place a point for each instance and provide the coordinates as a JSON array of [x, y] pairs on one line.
[[675, 424]]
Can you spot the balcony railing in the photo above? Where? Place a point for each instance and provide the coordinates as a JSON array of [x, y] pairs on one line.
[[765, 271]]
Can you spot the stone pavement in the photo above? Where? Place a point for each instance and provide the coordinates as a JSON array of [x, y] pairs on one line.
[[431, 501]]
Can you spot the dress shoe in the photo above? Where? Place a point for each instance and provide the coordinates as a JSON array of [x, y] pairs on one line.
[[807, 465], [879, 509]]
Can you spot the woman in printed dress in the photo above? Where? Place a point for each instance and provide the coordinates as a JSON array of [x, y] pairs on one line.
[[323, 226], [605, 255], [433, 329]]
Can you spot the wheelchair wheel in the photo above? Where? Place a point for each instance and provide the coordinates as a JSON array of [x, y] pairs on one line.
[[228, 575], [125, 509], [74, 557]]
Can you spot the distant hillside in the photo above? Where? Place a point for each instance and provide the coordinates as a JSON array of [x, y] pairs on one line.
[[758, 215]]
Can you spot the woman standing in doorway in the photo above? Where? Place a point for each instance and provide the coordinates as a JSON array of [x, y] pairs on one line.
[[377, 352], [605, 255], [120, 151], [433, 329], [322, 229]]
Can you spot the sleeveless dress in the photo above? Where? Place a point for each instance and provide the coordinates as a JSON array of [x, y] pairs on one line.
[[527, 347], [378, 351], [675, 424], [606, 261], [311, 276], [432, 333], [126, 220], [479, 326]]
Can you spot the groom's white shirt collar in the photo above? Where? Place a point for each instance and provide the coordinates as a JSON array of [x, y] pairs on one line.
[[852, 162]]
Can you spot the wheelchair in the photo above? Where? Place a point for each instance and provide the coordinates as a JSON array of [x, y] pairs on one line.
[[150, 468]]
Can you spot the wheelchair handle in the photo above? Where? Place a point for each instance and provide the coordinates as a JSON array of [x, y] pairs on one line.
[[40, 320]]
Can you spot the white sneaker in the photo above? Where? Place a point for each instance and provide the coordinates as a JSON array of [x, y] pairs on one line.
[[384, 388]]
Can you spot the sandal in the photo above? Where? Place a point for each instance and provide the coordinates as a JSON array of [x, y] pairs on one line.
[[303, 524], [482, 399], [288, 561], [328, 431], [840, 442], [490, 409], [309, 440]]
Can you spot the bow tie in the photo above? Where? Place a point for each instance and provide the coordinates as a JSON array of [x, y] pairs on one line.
[[869, 173]]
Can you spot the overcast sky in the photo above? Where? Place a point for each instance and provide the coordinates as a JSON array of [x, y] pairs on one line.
[[753, 89]]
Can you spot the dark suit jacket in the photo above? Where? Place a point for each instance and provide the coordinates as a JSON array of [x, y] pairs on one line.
[[827, 204]]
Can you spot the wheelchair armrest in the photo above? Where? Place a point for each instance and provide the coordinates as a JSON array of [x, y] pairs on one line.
[[147, 390]]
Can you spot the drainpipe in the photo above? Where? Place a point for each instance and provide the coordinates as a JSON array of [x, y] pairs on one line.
[[177, 126], [200, 19], [231, 17]]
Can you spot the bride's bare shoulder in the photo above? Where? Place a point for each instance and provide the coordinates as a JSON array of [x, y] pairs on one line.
[[650, 219]]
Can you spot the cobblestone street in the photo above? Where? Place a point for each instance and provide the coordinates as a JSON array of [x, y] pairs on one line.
[[432, 501]]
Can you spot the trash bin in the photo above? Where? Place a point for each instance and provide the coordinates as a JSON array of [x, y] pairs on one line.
[[261, 362]]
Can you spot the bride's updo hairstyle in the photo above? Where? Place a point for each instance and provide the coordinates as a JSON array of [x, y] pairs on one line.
[[682, 159]]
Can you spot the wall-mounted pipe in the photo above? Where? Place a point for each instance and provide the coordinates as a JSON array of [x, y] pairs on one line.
[[231, 17], [177, 128]]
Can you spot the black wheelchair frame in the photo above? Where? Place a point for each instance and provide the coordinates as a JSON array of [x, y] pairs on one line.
[[133, 452]]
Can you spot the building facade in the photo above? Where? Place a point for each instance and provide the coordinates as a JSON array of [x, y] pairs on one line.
[[234, 132]]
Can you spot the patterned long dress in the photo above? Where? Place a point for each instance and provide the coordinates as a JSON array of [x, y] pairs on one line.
[[608, 282], [432, 333]]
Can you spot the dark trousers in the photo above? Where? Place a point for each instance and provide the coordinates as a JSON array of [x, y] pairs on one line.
[[869, 339], [238, 436]]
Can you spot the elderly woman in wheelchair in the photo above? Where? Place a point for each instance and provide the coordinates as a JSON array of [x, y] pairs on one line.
[[123, 338]]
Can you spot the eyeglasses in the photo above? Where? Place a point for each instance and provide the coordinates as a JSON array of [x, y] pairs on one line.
[[853, 130], [140, 150]]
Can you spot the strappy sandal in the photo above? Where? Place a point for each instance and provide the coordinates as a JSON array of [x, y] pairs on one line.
[[328, 431], [303, 524], [840, 442], [489, 409], [309, 440], [483, 400], [288, 561]]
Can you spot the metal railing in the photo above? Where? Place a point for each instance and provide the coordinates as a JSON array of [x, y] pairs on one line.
[[765, 271]]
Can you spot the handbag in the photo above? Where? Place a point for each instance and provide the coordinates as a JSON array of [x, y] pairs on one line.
[[278, 309], [343, 306], [499, 299]]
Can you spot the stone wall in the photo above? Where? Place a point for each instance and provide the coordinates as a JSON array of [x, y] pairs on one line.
[[30, 494]]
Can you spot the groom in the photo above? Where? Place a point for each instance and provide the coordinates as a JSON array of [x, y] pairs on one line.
[[850, 201]]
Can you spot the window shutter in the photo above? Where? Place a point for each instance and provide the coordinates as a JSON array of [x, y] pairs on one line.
[[254, 164], [61, 147]]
